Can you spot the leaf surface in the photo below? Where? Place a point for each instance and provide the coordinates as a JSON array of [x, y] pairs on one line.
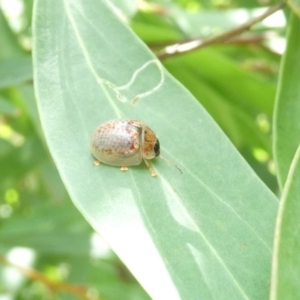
[[295, 5], [14, 71], [287, 104], [286, 261], [203, 234]]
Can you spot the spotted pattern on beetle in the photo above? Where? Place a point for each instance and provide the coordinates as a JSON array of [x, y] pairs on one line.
[[124, 143]]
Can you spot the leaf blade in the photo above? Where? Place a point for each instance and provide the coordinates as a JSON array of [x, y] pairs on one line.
[[14, 71], [150, 222], [287, 107], [286, 263]]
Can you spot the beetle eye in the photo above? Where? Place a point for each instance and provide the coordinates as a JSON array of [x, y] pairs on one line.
[[157, 148]]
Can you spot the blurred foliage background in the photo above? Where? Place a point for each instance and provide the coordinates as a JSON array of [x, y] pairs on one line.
[[39, 226]]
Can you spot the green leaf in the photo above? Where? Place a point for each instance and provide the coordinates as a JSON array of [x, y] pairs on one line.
[[7, 108], [286, 261], [153, 28], [246, 90], [8, 40], [14, 71], [26, 93], [253, 3], [295, 5], [48, 229], [127, 8], [209, 22], [287, 107], [237, 122], [202, 234]]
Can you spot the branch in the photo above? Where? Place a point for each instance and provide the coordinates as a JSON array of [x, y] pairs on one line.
[[250, 39], [181, 48], [79, 291]]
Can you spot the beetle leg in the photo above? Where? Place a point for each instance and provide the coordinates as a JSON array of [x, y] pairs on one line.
[[150, 168], [123, 168], [96, 163]]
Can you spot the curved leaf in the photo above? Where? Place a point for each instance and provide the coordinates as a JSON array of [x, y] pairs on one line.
[[15, 70], [287, 104], [202, 234], [295, 5], [286, 262]]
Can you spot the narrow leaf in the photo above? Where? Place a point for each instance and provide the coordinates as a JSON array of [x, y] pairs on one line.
[[14, 71], [295, 5], [286, 260], [202, 234], [7, 108], [287, 106]]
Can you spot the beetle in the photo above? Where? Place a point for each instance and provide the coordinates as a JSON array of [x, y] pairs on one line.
[[124, 143]]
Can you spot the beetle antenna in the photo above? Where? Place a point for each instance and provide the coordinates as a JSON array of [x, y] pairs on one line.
[[171, 163]]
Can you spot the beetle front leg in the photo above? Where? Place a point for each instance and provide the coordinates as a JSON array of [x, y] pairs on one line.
[[150, 168]]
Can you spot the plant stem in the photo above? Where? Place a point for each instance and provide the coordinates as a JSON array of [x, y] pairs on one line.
[[79, 291], [182, 48]]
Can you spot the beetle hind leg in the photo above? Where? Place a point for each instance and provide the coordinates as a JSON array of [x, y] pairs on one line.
[[150, 168], [96, 163]]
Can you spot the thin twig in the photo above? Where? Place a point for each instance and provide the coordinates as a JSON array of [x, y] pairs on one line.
[[178, 49], [250, 39], [79, 291]]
